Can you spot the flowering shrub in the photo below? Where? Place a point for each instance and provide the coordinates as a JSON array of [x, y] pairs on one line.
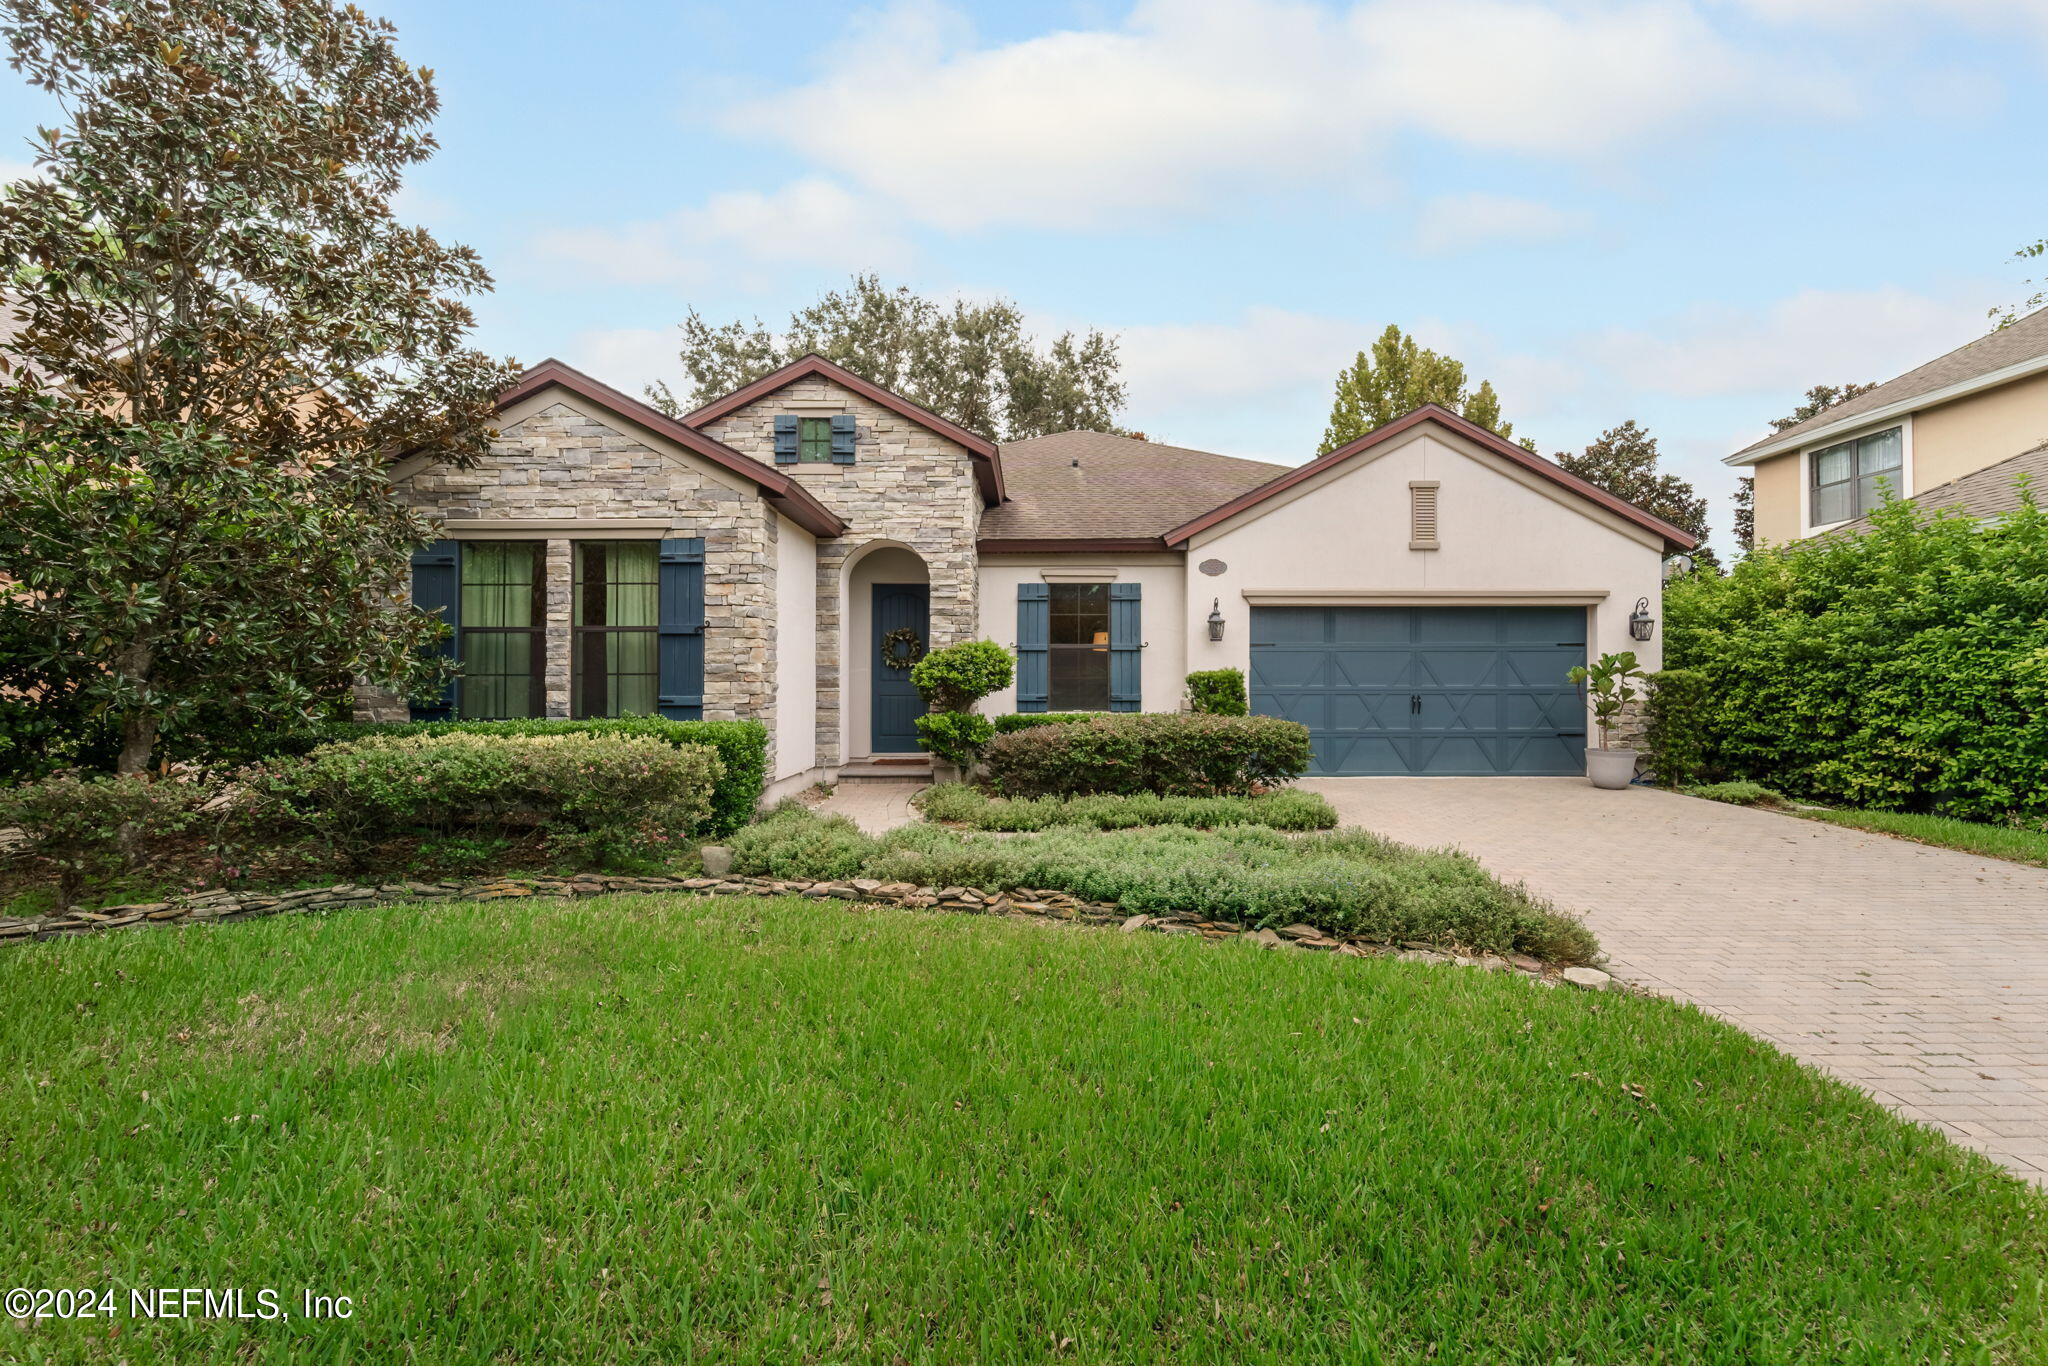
[[594, 797]]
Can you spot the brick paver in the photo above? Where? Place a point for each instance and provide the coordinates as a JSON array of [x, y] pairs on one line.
[[876, 805], [1918, 974]]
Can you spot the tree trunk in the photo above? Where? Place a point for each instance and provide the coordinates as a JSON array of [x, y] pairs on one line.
[[138, 743]]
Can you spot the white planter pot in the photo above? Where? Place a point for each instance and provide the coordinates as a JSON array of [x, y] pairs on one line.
[[1610, 768]]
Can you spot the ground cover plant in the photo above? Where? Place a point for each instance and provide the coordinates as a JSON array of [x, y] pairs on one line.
[[1164, 753], [1348, 881], [652, 1129], [1281, 809]]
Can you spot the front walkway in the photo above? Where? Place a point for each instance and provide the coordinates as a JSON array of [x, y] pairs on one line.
[[1918, 974], [876, 805]]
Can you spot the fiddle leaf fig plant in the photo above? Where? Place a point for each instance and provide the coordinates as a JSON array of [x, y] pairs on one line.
[[1612, 682]]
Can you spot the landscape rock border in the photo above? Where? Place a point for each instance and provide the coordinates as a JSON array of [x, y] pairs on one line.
[[1053, 906]]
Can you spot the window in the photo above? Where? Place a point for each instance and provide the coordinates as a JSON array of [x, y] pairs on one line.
[[613, 625], [1077, 665], [502, 617], [1851, 478], [814, 440]]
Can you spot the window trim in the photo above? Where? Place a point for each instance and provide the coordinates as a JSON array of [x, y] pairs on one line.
[[578, 673], [1053, 648], [1808, 527]]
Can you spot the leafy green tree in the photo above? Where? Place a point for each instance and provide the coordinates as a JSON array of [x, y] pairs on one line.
[[970, 362], [1624, 462], [1819, 399], [1396, 377], [1745, 513], [2006, 317], [225, 338]]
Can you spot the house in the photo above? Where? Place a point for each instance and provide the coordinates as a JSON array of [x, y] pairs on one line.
[[1954, 419], [1415, 597]]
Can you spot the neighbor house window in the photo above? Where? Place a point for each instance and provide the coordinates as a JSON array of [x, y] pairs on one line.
[[814, 440], [614, 615], [1851, 478], [501, 645], [1077, 660]]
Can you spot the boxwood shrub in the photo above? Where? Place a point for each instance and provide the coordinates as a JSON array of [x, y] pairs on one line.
[[742, 748], [1163, 753]]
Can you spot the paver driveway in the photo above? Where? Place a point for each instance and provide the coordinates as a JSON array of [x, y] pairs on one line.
[[1919, 974]]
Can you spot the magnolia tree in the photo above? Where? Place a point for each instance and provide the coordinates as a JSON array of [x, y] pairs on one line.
[[223, 337]]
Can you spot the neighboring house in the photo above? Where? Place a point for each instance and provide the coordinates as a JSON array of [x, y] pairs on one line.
[[1969, 411], [1415, 597]]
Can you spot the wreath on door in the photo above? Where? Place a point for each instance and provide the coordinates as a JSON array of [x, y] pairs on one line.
[[902, 648]]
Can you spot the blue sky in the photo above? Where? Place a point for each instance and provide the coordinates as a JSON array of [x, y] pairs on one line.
[[1683, 211]]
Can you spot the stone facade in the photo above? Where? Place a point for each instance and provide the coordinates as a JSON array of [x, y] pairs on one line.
[[560, 463], [908, 486]]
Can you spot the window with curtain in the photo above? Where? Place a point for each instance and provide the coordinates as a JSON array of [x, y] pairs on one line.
[[1077, 657], [1851, 478], [501, 645], [616, 599], [814, 440]]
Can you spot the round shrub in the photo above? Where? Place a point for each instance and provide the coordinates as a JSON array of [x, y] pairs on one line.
[[1218, 692], [88, 831], [1193, 756], [958, 676]]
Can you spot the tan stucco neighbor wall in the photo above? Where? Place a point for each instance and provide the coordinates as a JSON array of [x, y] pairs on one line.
[[1777, 499], [1505, 535], [562, 471], [909, 486]]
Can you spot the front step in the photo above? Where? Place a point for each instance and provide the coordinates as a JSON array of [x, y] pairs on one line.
[[908, 768]]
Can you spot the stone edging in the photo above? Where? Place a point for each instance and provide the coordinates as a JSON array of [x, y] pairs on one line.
[[210, 907]]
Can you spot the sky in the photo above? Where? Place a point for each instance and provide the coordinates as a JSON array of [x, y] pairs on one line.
[[1684, 212]]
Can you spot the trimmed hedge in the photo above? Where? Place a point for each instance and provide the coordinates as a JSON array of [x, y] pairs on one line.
[[1218, 692], [1902, 669], [1348, 881], [1675, 711], [1286, 809], [1011, 722], [742, 750], [1163, 753]]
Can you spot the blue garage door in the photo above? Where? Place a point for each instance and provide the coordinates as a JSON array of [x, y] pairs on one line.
[[1441, 690]]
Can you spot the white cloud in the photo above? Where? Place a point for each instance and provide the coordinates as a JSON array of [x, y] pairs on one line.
[[1269, 351], [810, 222], [11, 171], [1861, 13], [1194, 105], [629, 358], [1459, 222], [1813, 337]]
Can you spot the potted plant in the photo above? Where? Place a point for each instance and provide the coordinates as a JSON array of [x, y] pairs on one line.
[[1612, 684]]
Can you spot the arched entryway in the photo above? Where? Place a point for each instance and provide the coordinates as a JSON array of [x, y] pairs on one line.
[[888, 616]]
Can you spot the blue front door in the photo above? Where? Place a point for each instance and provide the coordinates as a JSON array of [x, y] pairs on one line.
[[895, 705], [1445, 690]]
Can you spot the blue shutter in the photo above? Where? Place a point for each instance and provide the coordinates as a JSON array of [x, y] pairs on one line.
[[785, 438], [437, 587], [1034, 633], [1126, 639], [842, 438], [679, 635]]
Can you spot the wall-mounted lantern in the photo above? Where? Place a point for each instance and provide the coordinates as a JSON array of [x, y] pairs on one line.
[[1640, 623], [1216, 619]]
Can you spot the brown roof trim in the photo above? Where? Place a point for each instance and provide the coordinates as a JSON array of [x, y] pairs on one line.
[[790, 498], [988, 468], [1450, 421], [1077, 545]]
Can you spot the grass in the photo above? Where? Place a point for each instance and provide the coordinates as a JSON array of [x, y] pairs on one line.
[[667, 1130], [1282, 809], [1347, 881], [2009, 842]]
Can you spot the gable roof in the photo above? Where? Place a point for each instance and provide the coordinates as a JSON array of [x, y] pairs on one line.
[[1094, 487], [1457, 426], [988, 468], [789, 497], [2008, 354], [1990, 492]]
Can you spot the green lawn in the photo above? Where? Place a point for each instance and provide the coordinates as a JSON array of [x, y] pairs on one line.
[[666, 1129], [1972, 837]]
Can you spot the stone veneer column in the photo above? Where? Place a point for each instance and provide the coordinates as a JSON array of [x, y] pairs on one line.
[[560, 564]]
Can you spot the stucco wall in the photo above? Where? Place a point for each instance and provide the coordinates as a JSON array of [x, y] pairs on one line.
[[796, 650], [1162, 666], [558, 468], [909, 486], [1963, 437], [1500, 532], [1777, 500]]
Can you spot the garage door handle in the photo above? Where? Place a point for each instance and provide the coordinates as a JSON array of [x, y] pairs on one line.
[[1571, 735]]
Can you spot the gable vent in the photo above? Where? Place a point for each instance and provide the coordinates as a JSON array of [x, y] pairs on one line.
[[1422, 514]]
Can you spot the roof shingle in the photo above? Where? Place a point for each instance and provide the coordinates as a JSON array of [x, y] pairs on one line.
[[1093, 486], [1990, 492]]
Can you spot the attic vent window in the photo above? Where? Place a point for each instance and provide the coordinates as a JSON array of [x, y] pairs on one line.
[[1422, 514]]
